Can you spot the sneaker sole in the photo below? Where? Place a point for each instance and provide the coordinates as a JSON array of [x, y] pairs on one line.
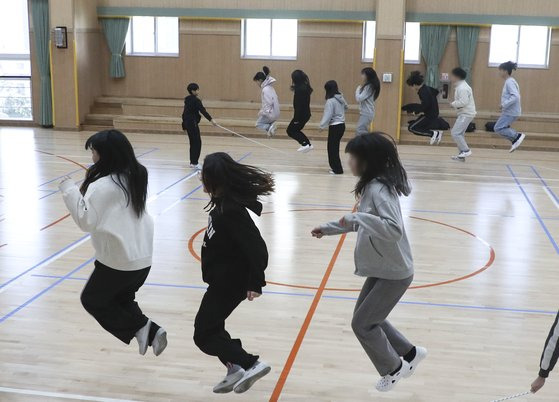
[[227, 388], [249, 382], [162, 341], [412, 370], [520, 141]]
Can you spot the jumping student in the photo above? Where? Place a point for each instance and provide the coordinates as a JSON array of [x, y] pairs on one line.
[[302, 91], [111, 205], [549, 357], [234, 257], [382, 255], [190, 122], [510, 107], [334, 119], [466, 110], [270, 109], [428, 124], [366, 94]]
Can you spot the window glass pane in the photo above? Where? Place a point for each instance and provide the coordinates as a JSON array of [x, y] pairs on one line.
[[503, 43], [257, 37], [369, 40], [15, 99], [533, 46], [168, 35], [143, 34], [15, 67], [14, 27], [284, 38], [412, 43]]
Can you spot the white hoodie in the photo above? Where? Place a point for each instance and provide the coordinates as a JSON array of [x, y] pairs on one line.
[[464, 102], [121, 240], [270, 102]]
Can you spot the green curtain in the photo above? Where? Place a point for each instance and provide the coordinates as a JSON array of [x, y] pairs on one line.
[[115, 32], [433, 43], [466, 39], [41, 30]]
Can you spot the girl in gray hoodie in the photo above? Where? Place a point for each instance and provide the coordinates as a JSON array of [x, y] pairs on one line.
[[382, 255], [366, 94], [334, 119]]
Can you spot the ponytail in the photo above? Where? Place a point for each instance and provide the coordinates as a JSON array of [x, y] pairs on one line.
[[262, 75]]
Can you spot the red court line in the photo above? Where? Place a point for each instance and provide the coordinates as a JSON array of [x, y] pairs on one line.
[[62, 157], [54, 223]]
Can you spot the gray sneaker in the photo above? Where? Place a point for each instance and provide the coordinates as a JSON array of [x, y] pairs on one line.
[[234, 374], [142, 336], [253, 374], [159, 342]]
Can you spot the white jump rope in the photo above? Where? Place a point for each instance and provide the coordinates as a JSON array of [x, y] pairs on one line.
[[251, 140], [508, 398]]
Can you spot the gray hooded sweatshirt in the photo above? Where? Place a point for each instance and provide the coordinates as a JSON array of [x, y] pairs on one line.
[[334, 111], [366, 100], [382, 249]]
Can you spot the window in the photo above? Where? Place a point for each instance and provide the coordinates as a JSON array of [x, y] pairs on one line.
[[15, 65], [369, 28], [269, 39], [153, 36], [412, 53], [526, 45]]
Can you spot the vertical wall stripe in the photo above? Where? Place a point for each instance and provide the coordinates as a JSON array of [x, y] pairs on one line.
[[52, 84], [401, 96], [76, 91]]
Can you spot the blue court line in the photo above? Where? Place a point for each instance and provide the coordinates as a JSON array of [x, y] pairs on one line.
[[538, 217], [351, 298], [60, 177], [545, 184]]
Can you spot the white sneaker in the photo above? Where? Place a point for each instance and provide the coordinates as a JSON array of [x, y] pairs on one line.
[[159, 343], [420, 354], [388, 382], [142, 336], [439, 137], [462, 156], [517, 143], [229, 381], [196, 167], [305, 148], [272, 130], [433, 139], [253, 374]]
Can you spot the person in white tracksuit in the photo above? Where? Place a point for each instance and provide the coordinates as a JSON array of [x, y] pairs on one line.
[[270, 109], [465, 108]]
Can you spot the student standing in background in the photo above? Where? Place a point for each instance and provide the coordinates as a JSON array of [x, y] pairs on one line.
[[302, 91], [510, 107], [466, 110], [334, 119], [190, 123], [270, 109], [366, 94]]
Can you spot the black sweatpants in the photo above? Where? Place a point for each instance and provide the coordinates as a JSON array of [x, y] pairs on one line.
[[193, 131], [335, 134], [109, 296], [294, 130], [209, 327], [423, 126]]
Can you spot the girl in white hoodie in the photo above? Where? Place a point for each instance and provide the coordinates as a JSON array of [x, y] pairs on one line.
[[270, 110], [466, 110], [111, 205]]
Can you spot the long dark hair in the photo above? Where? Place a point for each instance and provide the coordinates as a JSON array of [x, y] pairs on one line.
[[117, 159], [508, 66], [227, 180], [372, 81], [261, 75], [377, 158], [331, 88], [300, 80]]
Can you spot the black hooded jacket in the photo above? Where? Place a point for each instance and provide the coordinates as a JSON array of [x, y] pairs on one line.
[[234, 254], [429, 102]]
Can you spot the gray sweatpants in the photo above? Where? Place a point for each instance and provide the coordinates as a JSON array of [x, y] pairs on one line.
[[363, 124], [458, 132], [383, 343]]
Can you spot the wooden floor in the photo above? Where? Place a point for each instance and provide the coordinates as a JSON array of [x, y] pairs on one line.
[[484, 235]]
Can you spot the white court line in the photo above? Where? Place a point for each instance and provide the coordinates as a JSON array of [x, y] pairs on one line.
[[61, 395], [551, 197]]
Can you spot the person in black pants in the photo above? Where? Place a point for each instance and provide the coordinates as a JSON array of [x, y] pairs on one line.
[[234, 257], [302, 90], [190, 122], [334, 118]]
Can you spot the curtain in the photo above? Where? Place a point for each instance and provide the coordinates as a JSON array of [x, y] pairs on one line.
[[41, 30], [115, 32], [466, 39], [433, 43]]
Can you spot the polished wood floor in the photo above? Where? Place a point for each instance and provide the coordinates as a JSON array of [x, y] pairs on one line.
[[484, 235]]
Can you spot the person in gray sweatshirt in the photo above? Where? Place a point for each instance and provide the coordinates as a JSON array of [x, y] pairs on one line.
[[334, 119], [465, 106], [510, 107], [382, 255], [366, 94]]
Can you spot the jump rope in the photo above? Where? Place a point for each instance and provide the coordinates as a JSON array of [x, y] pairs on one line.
[[508, 398], [251, 140]]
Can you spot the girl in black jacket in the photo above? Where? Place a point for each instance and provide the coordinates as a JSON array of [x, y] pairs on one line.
[[302, 90], [234, 257], [190, 122]]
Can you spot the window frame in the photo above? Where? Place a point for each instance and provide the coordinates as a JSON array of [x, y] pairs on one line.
[[408, 61], [244, 56], [129, 50], [364, 43], [528, 66]]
